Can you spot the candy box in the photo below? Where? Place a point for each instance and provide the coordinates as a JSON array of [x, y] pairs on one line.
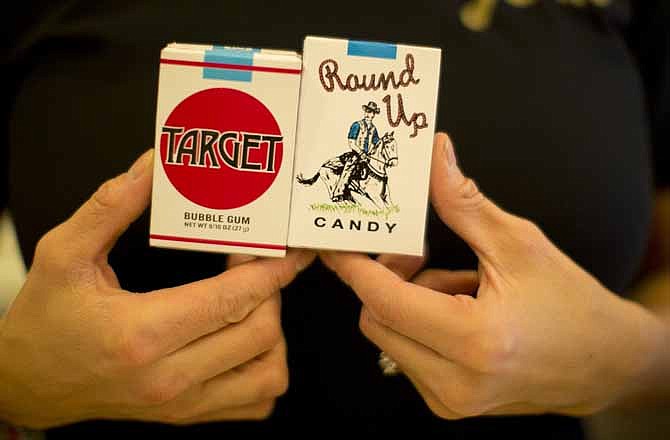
[[225, 134], [366, 122]]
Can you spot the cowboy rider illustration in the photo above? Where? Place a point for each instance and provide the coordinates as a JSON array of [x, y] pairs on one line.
[[362, 137]]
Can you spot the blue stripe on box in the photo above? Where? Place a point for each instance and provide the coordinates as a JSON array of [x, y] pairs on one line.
[[226, 74], [225, 55], [371, 49]]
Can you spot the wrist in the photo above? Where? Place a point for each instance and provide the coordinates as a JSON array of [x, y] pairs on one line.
[[5, 374], [19, 433], [8, 396], [655, 380], [648, 382]]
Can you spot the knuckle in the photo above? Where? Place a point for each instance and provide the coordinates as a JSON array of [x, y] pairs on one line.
[[45, 244], [527, 227], [366, 322], [530, 237], [233, 308], [55, 256], [276, 381], [272, 281], [461, 399], [173, 416], [388, 312], [468, 194], [237, 305], [102, 202], [263, 411], [175, 420], [493, 351], [448, 394], [106, 195], [48, 252], [443, 413], [273, 379], [132, 347], [467, 408], [267, 333], [440, 410], [163, 388], [370, 326]]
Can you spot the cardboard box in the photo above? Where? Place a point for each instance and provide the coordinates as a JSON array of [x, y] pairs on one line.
[[225, 131], [365, 132]]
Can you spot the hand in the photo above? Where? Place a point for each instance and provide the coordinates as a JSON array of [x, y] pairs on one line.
[[529, 332], [76, 346]]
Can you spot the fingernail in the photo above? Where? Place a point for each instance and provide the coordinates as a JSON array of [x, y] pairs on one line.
[[449, 151], [141, 165]]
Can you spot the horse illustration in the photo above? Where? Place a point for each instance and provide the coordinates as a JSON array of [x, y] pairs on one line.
[[369, 180]]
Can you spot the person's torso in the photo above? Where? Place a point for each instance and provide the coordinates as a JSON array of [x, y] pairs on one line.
[[544, 107]]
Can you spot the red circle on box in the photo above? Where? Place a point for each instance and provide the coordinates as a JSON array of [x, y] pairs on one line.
[[207, 179]]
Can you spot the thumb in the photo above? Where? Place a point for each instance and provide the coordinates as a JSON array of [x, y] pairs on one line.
[[97, 224], [460, 204]]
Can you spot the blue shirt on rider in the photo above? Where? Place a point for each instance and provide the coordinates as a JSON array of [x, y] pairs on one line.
[[355, 130]]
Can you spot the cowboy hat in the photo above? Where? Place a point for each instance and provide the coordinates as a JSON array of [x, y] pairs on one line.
[[371, 107]]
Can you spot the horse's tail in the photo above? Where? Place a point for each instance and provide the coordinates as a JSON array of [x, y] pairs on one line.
[[309, 181]]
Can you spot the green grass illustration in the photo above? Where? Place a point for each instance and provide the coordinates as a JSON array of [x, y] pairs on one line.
[[352, 208]]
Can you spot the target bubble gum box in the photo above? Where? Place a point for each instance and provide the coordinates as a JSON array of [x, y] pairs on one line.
[[225, 134], [366, 123]]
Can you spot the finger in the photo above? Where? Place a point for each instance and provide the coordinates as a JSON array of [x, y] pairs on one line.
[[439, 409], [404, 266], [214, 354], [237, 259], [429, 317], [109, 275], [257, 411], [168, 319], [411, 356], [460, 204], [464, 393], [522, 408], [516, 409], [257, 381], [96, 225], [433, 402], [463, 282]]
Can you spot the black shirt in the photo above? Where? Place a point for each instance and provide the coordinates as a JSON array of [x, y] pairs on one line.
[[546, 107]]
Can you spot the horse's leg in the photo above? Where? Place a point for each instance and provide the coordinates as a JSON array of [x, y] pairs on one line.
[[376, 193], [370, 190], [386, 193], [328, 181]]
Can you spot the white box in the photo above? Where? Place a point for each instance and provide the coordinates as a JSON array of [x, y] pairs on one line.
[[225, 132], [374, 202]]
